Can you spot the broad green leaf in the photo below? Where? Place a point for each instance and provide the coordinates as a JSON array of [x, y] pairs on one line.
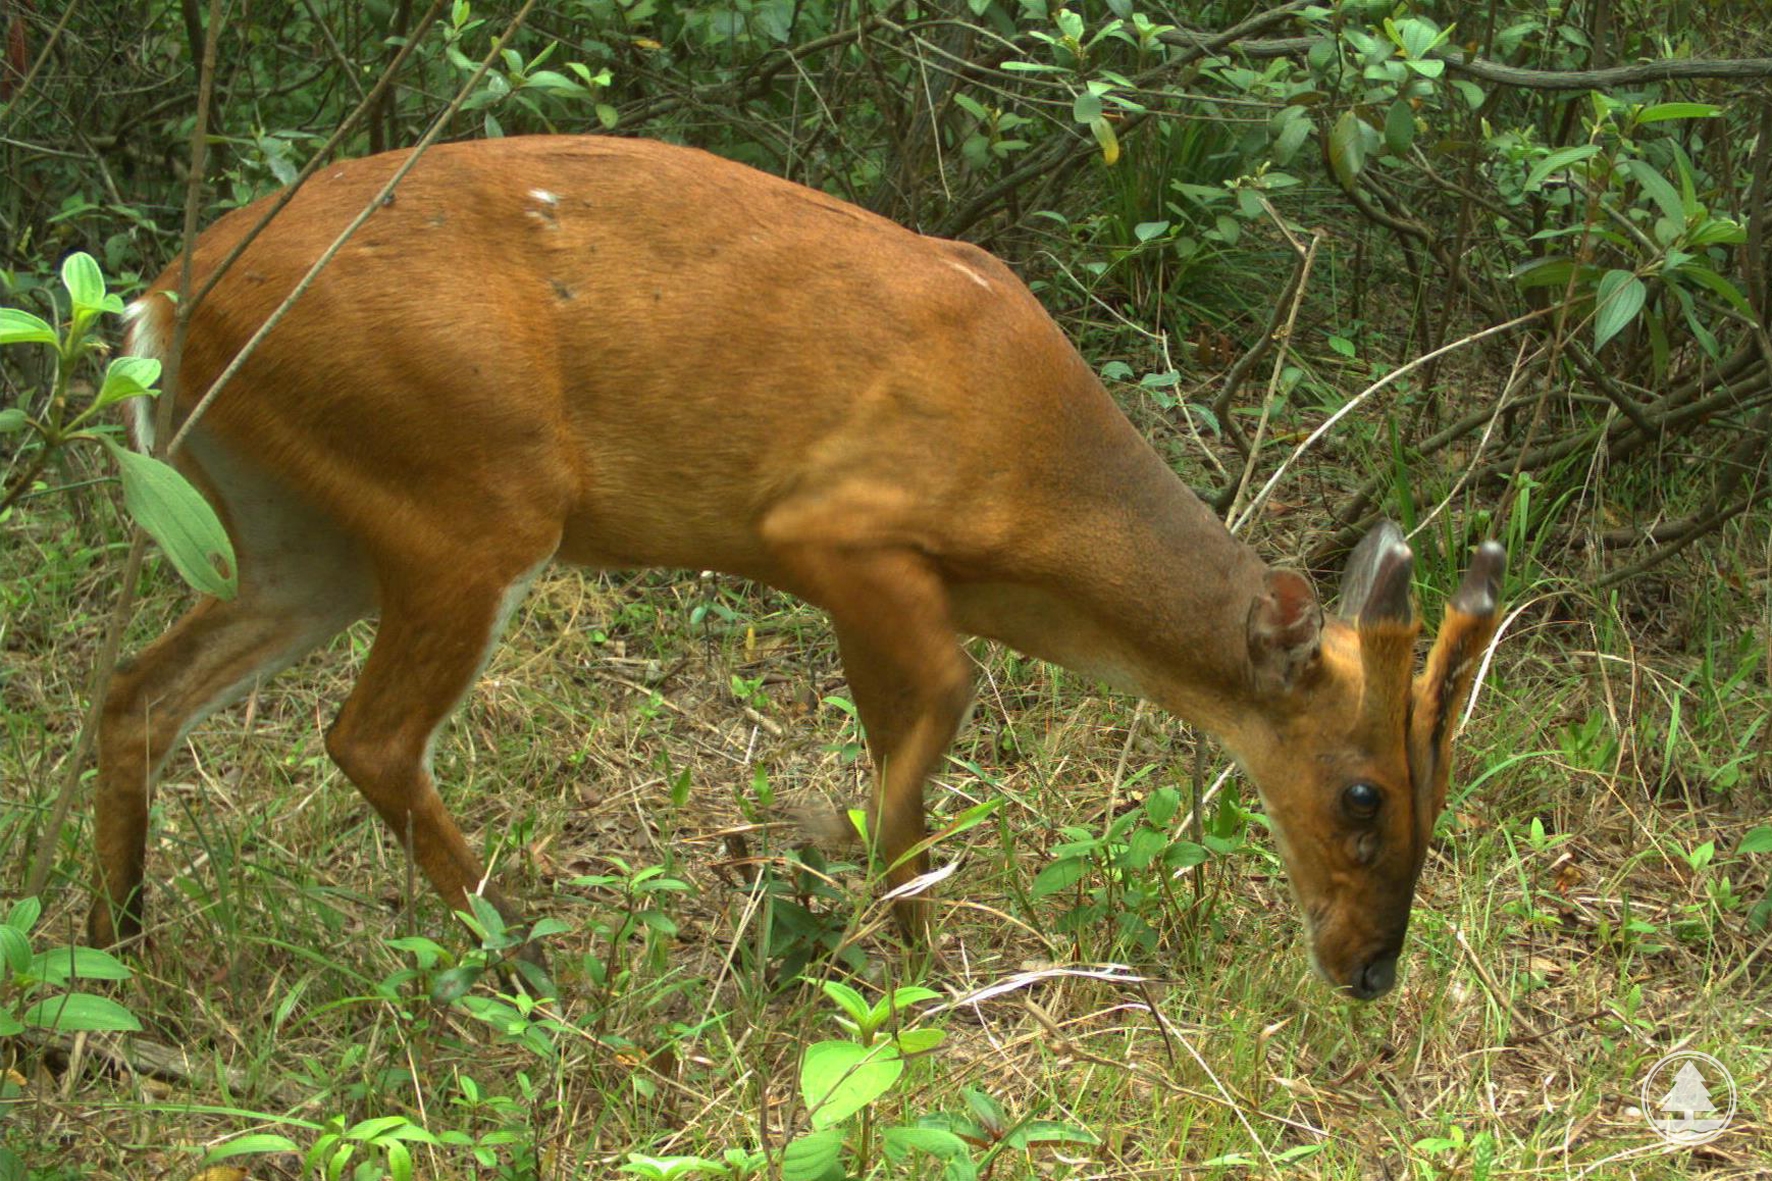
[[940, 1144], [1469, 91], [176, 515], [1544, 272], [1662, 111], [1060, 875], [78, 1011], [1144, 231], [1142, 848], [10, 1027], [1617, 301], [1046, 1131], [838, 1079], [1757, 840], [1717, 285], [814, 1157], [23, 914], [1108, 141], [84, 281], [1294, 127], [849, 1000], [919, 1041], [1399, 127], [249, 1145], [18, 326], [1717, 231], [904, 996], [12, 420], [1185, 855], [990, 1113], [128, 377], [1659, 190], [87, 963], [15, 950], [1347, 149], [1087, 107], [1557, 161]]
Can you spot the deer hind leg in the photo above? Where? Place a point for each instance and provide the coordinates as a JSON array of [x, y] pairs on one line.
[[436, 631], [211, 657], [911, 682]]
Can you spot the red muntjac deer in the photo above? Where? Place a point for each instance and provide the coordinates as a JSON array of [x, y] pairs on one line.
[[624, 354]]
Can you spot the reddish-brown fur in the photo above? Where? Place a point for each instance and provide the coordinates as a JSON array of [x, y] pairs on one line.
[[621, 354]]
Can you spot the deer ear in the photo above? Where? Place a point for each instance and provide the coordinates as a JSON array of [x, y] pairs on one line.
[[1375, 585], [1285, 630]]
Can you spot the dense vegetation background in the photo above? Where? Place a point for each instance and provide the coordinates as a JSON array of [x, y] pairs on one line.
[[1491, 270]]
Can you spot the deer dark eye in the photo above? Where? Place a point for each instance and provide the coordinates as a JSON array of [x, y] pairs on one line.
[[1360, 801]]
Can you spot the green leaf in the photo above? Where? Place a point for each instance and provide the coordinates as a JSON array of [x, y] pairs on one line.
[[15, 950], [1293, 127], [1469, 91], [23, 914], [1060, 875], [838, 1079], [1658, 190], [1757, 840], [1347, 149], [1143, 847], [1046, 1131], [814, 1157], [1716, 231], [78, 1011], [942, 1145], [1544, 272], [1184, 855], [1399, 127], [1161, 808], [128, 377], [849, 1000], [1715, 283], [1617, 301], [248, 1145], [1663, 111], [176, 515], [86, 963], [904, 996], [919, 1041], [13, 419], [84, 281], [1107, 140], [1087, 107], [1557, 161], [18, 326]]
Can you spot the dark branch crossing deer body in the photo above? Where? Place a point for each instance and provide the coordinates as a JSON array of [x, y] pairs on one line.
[[622, 354]]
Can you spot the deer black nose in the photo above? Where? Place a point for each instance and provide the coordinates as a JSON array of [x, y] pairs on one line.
[[1377, 977]]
